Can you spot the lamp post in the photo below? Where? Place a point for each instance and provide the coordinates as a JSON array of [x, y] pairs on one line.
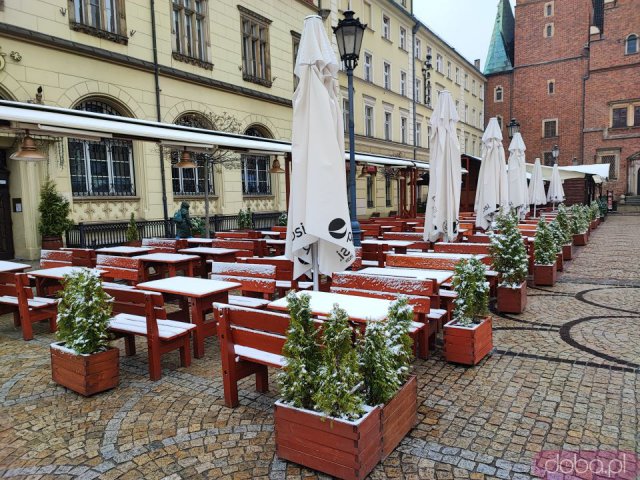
[[426, 76], [513, 128], [555, 151], [349, 33]]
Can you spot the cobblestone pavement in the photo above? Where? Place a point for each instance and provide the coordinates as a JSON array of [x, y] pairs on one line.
[[563, 375]]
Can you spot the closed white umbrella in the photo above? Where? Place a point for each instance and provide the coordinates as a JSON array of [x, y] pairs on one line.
[[517, 174], [445, 173], [492, 192], [536, 187], [318, 227], [556, 192]]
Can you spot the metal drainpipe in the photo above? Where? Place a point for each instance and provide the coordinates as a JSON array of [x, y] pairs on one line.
[[156, 78], [414, 30]]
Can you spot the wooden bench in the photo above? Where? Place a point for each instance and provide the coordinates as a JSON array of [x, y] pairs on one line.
[[16, 297], [127, 269], [250, 342], [417, 238], [143, 314], [165, 245], [420, 293], [82, 257], [255, 280], [284, 273], [373, 255], [370, 230], [279, 228], [460, 247], [55, 258], [252, 234], [247, 247]]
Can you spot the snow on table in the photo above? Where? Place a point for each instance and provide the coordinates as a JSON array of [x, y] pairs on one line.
[[166, 257], [188, 286], [200, 241], [440, 276], [12, 266], [357, 308], [124, 250], [60, 272], [391, 243], [209, 250], [447, 256]]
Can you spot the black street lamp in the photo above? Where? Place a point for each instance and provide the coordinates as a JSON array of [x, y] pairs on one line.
[[349, 33], [513, 128], [426, 76], [555, 151]]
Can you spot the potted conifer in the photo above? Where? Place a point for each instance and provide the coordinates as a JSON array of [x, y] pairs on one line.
[[545, 267], [563, 222], [197, 226], [510, 260], [468, 338], [559, 239], [83, 360], [132, 234], [54, 216], [579, 225], [594, 215]]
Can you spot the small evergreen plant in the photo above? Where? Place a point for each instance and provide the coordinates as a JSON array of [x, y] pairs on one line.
[[339, 378], [559, 237], [197, 226], [83, 313], [298, 379], [245, 219], [545, 247], [508, 251], [470, 284], [563, 222], [595, 210], [283, 219], [132, 229], [579, 222], [54, 211]]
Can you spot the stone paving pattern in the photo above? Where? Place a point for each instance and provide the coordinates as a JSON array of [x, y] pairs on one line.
[[562, 375]]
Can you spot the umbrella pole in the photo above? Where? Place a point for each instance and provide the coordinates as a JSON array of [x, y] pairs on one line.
[[534, 210], [314, 261]]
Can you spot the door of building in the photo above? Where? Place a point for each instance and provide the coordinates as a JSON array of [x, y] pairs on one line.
[[6, 232]]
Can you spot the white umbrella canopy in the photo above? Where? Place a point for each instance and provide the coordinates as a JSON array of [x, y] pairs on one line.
[[536, 186], [492, 193], [318, 216], [517, 174], [445, 173], [556, 192]]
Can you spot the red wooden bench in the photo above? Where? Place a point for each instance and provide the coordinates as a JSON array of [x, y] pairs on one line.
[[82, 257], [16, 297], [252, 234], [165, 245], [247, 247], [55, 258], [127, 269], [142, 313], [255, 280], [284, 273], [460, 247], [370, 230], [373, 255], [279, 228], [417, 238]]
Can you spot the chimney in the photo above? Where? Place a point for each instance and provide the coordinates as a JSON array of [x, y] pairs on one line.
[[476, 63]]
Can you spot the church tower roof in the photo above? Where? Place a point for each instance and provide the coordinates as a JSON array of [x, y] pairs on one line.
[[501, 55]]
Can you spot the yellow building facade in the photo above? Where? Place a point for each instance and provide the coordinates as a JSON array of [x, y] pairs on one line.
[[195, 62]]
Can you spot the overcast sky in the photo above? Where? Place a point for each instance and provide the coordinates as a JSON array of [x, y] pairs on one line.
[[466, 25]]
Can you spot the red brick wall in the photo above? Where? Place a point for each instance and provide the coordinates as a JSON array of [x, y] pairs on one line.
[[493, 109]]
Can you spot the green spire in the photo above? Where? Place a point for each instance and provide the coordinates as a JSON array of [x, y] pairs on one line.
[[500, 56]]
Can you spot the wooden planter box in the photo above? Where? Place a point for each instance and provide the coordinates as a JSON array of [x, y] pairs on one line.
[[52, 243], [135, 243], [85, 374], [399, 416], [559, 262], [594, 224], [467, 345], [580, 239], [567, 252], [545, 275], [512, 300], [348, 450]]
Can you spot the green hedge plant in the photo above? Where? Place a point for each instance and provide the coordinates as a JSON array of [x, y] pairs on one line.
[[132, 229], [470, 283], [54, 211], [545, 246], [508, 251]]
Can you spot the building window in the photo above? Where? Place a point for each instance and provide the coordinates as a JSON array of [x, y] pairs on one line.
[[387, 125], [458, 75], [368, 19], [103, 168], [612, 158], [548, 30], [497, 94], [619, 117], [449, 70], [387, 190], [386, 27], [370, 191], [368, 120], [429, 137], [418, 134], [636, 116], [548, 9], [549, 128], [403, 38], [481, 118], [466, 113], [403, 129], [295, 45], [190, 32], [417, 94], [190, 181], [473, 87], [481, 92], [551, 87], [368, 60], [548, 159], [466, 81], [473, 117], [102, 18], [439, 63], [418, 49], [256, 63], [403, 84], [386, 74], [631, 44], [345, 114], [256, 179]]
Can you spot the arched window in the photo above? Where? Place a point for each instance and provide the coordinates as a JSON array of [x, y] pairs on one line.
[[256, 179], [551, 87], [190, 181], [631, 44], [498, 94], [101, 168]]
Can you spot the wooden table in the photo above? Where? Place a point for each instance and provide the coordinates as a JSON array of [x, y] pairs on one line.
[[271, 233], [13, 266], [440, 276], [53, 276], [278, 246], [172, 261], [200, 293], [211, 253], [448, 256], [200, 241], [398, 246], [124, 251], [359, 309]]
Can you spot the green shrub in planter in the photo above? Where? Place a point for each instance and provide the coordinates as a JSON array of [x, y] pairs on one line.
[[132, 229], [563, 222], [545, 247], [283, 219], [197, 226], [508, 251], [579, 219], [559, 236], [469, 282], [54, 211]]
